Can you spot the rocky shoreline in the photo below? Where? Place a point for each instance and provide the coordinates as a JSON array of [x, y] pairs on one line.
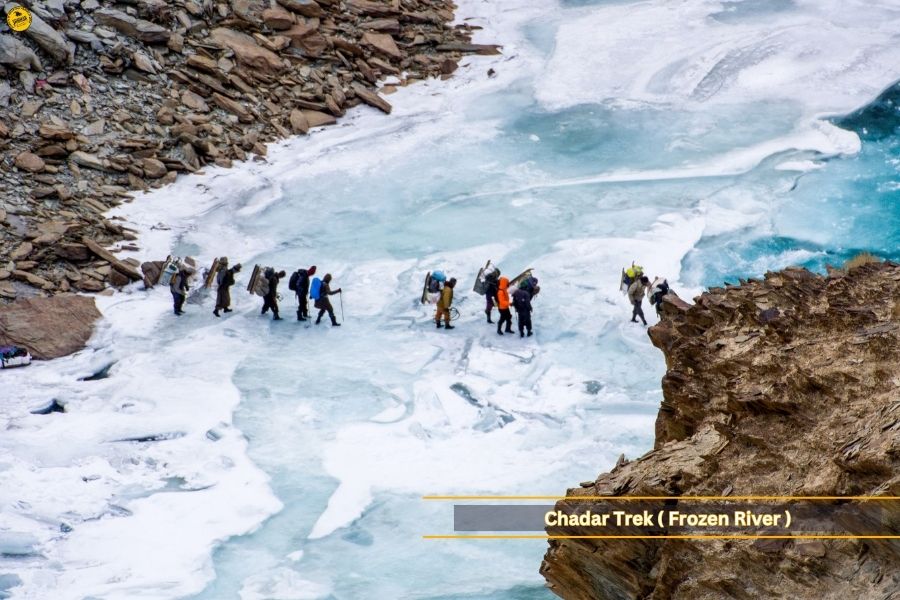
[[98, 99], [786, 386]]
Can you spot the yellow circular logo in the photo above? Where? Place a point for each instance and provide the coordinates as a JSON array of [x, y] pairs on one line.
[[18, 19]]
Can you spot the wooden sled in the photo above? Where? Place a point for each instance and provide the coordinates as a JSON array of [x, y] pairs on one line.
[[251, 285], [514, 283], [211, 274], [479, 287]]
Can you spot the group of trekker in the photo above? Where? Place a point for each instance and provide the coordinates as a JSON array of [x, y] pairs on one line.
[[494, 287], [496, 293], [301, 283]]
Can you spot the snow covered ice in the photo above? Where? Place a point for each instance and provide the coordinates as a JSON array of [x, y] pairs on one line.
[[288, 462]]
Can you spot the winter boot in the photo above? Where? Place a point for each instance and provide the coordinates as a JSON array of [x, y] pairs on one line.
[[216, 312], [488, 313], [448, 326], [438, 324]]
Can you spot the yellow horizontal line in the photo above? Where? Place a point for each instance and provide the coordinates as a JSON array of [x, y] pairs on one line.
[[645, 498], [661, 537]]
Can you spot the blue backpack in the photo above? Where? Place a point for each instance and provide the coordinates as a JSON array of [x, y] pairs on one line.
[[315, 289]]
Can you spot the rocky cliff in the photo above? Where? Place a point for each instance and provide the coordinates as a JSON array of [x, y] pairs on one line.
[[785, 386], [98, 98]]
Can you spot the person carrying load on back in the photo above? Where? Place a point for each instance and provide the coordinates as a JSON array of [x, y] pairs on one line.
[[299, 283], [444, 304], [491, 283], [658, 289], [503, 305], [522, 303], [270, 300], [225, 278], [179, 288], [319, 292], [636, 295]]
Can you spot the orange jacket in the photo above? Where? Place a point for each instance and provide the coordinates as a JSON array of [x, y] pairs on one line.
[[502, 293]]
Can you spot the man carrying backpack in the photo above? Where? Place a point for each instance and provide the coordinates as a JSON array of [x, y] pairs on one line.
[[270, 300], [522, 304], [322, 302], [179, 288], [223, 292], [299, 283], [490, 292], [636, 295], [444, 304]]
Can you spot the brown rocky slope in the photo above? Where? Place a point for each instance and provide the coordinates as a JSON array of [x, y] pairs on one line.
[[98, 98], [785, 386]]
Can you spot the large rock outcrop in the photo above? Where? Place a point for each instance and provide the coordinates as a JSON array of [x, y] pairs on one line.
[[786, 386], [49, 327]]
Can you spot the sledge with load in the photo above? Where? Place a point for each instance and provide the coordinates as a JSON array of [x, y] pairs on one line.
[[259, 283], [516, 281], [481, 279], [432, 288], [14, 356], [199, 294]]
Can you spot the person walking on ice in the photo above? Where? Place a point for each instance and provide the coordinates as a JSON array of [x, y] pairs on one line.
[[444, 304], [223, 292], [323, 303], [522, 304], [636, 294], [270, 300], [503, 306], [179, 288]]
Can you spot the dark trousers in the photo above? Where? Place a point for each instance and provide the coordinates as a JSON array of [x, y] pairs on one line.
[[178, 301], [524, 318], [303, 308], [505, 317], [638, 311], [223, 298], [324, 306], [270, 301]]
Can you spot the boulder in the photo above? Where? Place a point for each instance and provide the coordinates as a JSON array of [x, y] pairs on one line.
[[16, 54], [49, 327], [249, 10], [194, 101], [21, 251], [90, 161], [106, 255], [27, 161], [247, 51], [52, 131], [306, 37], [307, 8], [383, 43], [371, 98], [299, 124], [153, 168], [277, 18], [139, 29], [316, 118]]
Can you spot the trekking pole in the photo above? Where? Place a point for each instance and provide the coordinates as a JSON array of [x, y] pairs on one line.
[[341, 298]]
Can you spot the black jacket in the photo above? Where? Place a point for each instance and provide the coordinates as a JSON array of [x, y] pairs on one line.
[[521, 300], [273, 285], [227, 278], [303, 283]]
